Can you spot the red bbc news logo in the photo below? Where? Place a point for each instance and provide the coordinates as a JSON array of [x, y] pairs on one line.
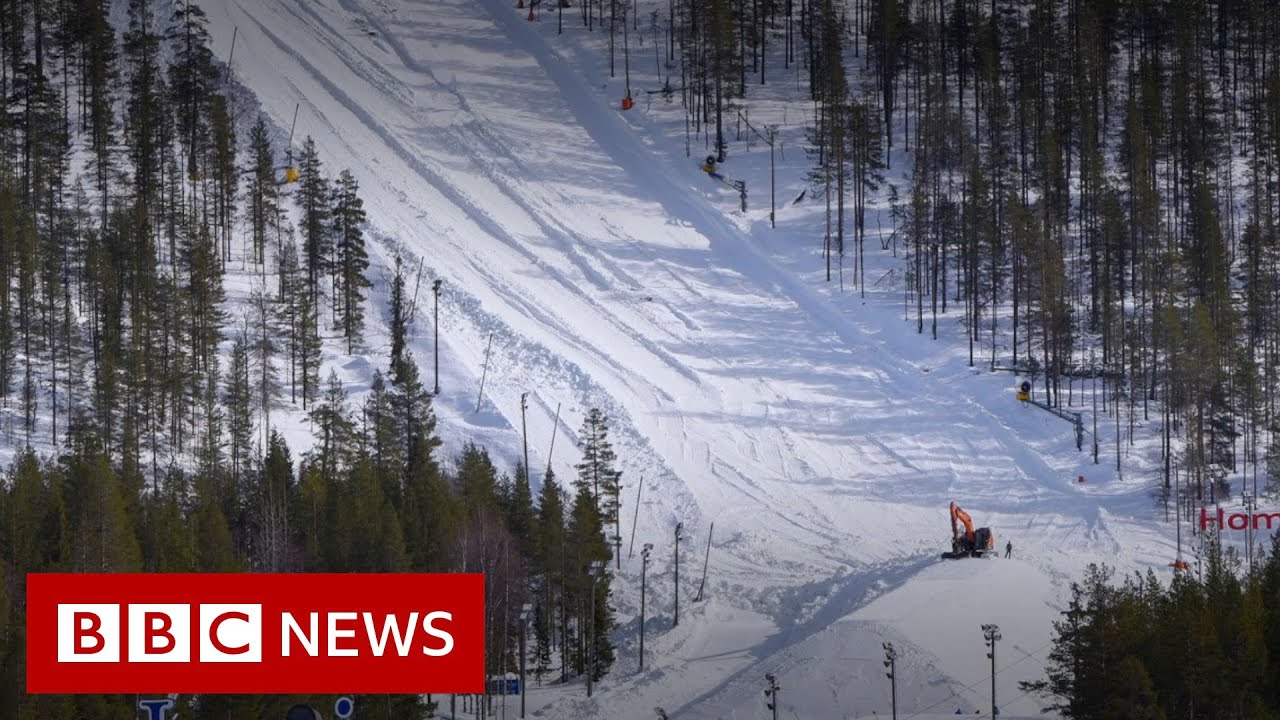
[[255, 633]]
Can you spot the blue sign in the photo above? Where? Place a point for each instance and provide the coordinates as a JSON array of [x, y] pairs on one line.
[[155, 709], [512, 687], [343, 707]]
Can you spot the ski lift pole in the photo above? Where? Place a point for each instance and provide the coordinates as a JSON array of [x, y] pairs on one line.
[[1075, 418], [773, 191]]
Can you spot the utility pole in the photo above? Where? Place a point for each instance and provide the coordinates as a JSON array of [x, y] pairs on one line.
[[644, 568], [773, 193], [524, 430], [524, 631], [617, 544], [593, 570], [891, 662], [770, 139], [992, 634], [435, 289], [679, 527], [771, 693], [1093, 371], [626, 48]]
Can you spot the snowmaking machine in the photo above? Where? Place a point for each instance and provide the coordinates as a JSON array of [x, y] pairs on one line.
[[967, 542]]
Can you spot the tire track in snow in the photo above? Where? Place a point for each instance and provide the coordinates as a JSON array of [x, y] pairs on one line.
[[643, 453], [745, 483], [739, 250], [567, 241]]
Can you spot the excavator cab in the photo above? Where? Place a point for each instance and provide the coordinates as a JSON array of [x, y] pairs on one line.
[[967, 542]]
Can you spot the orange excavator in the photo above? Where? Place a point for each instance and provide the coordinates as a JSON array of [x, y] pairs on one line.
[[967, 542]]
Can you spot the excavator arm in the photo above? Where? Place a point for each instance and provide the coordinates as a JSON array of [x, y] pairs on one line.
[[962, 516]]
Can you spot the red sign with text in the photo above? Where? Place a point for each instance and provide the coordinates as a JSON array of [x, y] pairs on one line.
[[255, 633]]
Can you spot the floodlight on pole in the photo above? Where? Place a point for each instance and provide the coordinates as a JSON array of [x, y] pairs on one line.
[[525, 611], [891, 662], [992, 634], [644, 568], [771, 694], [679, 527], [524, 432], [435, 289], [594, 570]]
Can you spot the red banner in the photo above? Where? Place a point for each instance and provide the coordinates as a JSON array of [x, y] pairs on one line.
[[255, 633]]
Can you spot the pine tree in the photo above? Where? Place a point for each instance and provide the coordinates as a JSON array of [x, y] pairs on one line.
[[586, 540], [192, 78], [270, 508], [352, 260], [238, 398], [399, 318], [542, 641], [100, 58], [260, 192], [520, 514], [226, 176], [166, 543], [264, 348], [552, 559], [211, 534], [312, 197], [335, 433], [596, 472], [144, 116]]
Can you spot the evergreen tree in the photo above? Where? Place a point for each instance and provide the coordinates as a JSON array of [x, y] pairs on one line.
[[192, 78], [260, 192], [335, 433], [312, 197], [586, 540], [352, 260], [238, 398], [596, 472]]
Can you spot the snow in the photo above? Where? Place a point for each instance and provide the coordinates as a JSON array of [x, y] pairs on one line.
[[587, 260]]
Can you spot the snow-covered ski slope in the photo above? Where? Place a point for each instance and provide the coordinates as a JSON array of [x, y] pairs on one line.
[[586, 253]]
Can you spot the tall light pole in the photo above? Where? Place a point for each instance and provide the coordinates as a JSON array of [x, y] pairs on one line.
[[626, 48], [679, 527], [992, 634], [524, 631], [524, 431], [435, 290], [891, 662], [644, 567], [593, 570], [771, 692]]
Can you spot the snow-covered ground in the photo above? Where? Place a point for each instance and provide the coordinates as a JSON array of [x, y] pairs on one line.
[[588, 261]]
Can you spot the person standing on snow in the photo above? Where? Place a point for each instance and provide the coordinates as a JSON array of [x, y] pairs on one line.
[[1008, 548]]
